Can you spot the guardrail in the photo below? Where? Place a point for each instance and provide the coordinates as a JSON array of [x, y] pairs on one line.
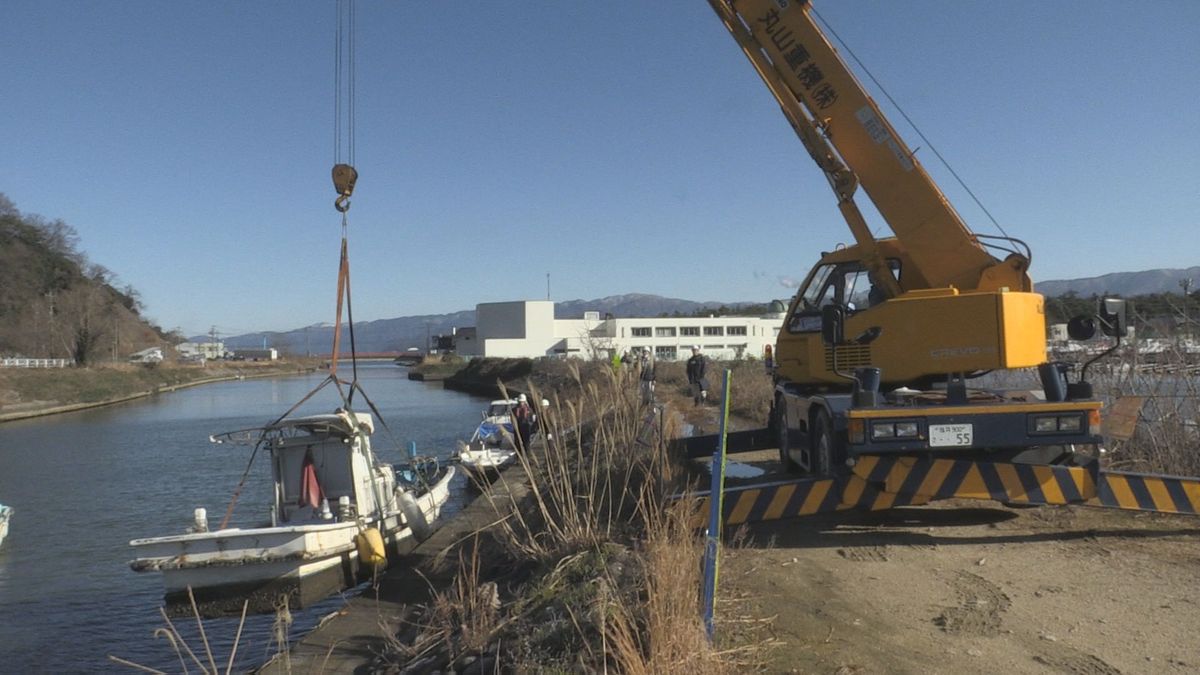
[[35, 363]]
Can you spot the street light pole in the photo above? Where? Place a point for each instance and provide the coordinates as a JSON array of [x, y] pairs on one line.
[[1186, 285]]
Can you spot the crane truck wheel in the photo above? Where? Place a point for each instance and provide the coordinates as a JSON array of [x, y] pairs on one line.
[[822, 444], [784, 437]]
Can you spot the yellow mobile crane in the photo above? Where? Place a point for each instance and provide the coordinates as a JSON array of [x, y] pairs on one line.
[[873, 359]]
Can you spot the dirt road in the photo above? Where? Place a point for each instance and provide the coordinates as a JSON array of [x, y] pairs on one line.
[[968, 587]]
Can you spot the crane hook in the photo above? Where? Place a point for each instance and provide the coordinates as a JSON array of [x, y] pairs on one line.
[[344, 177]]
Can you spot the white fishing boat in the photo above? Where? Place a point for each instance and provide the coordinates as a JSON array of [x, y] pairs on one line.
[[493, 445], [5, 514], [329, 490]]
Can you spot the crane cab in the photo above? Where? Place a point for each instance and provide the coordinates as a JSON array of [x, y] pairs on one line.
[[916, 336]]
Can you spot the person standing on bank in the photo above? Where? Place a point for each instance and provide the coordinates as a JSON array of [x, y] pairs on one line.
[[523, 421], [695, 374], [646, 377]]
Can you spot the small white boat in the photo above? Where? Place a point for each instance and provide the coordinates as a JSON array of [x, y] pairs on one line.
[[5, 513], [329, 488], [492, 447]]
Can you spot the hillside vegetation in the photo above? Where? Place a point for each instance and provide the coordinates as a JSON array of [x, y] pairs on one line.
[[54, 303]]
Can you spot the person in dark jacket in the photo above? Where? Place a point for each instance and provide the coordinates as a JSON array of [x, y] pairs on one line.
[[646, 377], [523, 421], [695, 374]]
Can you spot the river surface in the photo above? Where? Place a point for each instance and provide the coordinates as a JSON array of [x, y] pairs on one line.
[[84, 484]]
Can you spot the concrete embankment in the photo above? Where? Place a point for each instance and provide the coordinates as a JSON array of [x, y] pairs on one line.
[[349, 640], [126, 381], [482, 377]]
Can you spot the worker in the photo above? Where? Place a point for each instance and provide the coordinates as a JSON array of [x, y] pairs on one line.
[[523, 421], [695, 374], [646, 377]]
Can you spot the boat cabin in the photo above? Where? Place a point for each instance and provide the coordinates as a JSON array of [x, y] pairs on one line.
[[324, 469], [502, 408]]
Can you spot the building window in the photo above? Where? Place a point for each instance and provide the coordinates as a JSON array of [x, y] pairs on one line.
[[690, 331], [639, 332], [736, 330], [714, 330], [664, 332], [667, 353]]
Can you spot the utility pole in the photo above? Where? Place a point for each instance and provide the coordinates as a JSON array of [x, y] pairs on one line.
[[51, 312], [1186, 285], [547, 285]]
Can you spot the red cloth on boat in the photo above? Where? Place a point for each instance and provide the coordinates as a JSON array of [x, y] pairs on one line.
[[310, 489]]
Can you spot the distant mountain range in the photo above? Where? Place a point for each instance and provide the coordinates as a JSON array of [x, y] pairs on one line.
[[1125, 284], [399, 334]]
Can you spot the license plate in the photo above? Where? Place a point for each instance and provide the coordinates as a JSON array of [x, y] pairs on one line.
[[950, 435]]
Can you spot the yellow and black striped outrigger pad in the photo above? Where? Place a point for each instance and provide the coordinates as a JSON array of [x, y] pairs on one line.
[[881, 482]]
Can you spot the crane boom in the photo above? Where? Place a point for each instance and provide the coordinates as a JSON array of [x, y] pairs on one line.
[[831, 112]]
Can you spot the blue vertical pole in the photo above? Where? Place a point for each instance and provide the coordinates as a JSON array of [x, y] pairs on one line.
[[716, 500]]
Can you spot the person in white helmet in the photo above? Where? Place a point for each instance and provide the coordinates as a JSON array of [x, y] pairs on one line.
[[523, 421], [695, 374]]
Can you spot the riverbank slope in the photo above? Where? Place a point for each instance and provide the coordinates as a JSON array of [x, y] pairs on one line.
[[32, 392]]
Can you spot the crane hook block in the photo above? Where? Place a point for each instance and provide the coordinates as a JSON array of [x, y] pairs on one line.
[[344, 177]]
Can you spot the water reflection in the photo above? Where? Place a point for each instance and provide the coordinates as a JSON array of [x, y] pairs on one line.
[[85, 483]]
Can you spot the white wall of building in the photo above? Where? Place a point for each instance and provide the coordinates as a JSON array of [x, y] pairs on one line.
[[501, 320], [528, 330], [209, 350]]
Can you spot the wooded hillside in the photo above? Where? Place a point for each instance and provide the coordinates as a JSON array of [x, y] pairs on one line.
[[54, 303]]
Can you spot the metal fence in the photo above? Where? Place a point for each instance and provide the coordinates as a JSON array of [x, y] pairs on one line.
[[35, 363]]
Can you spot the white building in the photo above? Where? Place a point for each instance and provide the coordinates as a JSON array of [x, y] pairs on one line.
[[208, 350], [528, 329]]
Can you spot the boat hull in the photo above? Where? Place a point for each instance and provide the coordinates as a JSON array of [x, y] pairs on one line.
[[306, 562], [5, 513], [483, 465]]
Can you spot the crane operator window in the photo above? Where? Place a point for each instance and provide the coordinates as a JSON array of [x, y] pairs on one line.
[[846, 284]]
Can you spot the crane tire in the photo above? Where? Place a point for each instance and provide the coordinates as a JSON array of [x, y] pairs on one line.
[[783, 435], [823, 444]]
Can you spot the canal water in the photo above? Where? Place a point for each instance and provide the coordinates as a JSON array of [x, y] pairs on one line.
[[83, 484]]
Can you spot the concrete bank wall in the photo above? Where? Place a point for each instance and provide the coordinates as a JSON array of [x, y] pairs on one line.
[[27, 413]]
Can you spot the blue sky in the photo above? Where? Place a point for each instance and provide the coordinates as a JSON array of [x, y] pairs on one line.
[[618, 146]]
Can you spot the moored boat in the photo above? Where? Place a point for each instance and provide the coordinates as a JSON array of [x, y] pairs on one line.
[[5, 514], [493, 445], [330, 493]]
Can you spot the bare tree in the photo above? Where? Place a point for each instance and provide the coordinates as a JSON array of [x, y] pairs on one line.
[[83, 315]]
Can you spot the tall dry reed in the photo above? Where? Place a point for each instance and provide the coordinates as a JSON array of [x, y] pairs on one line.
[[612, 563]]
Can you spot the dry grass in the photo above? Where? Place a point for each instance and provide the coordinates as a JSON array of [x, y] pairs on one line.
[[597, 569], [751, 393]]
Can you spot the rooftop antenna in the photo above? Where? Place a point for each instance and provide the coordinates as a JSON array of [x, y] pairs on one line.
[[547, 285]]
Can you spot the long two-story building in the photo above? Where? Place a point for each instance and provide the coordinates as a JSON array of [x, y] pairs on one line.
[[527, 328]]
